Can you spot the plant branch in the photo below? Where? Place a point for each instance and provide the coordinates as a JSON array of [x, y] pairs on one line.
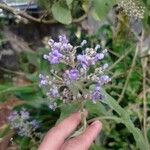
[[33, 19], [120, 59], [144, 62], [24, 14], [12, 72], [129, 75], [83, 117]]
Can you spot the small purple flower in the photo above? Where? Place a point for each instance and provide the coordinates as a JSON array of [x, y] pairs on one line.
[[56, 46], [105, 51], [99, 56], [82, 59], [51, 42], [24, 114], [53, 106], [54, 93], [13, 116], [87, 60], [97, 47], [54, 57], [104, 79], [73, 74], [43, 80], [63, 39], [66, 47], [105, 66], [35, 124], [97, 95], [83, 43]]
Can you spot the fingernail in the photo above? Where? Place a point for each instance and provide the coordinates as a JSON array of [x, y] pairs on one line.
[[97, 122]]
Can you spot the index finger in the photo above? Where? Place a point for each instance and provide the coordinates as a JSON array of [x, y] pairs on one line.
[[84, 141], [57, 135]]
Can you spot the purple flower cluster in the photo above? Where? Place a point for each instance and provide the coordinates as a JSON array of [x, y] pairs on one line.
[[58, 50], [71, 83], [90, 57], [21, 122]]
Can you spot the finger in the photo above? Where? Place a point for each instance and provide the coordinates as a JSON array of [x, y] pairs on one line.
[[57, 135], [84, 141]]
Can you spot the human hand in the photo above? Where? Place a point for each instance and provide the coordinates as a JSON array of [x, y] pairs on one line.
[[55, 139]]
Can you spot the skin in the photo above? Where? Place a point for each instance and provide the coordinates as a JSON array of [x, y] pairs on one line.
[[56, 138]]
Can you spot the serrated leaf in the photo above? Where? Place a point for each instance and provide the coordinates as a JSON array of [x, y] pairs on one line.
[[61, 13]]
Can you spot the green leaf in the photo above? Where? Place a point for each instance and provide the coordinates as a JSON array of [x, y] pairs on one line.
[[97, 109], [69, 2], [125, 119], [61, 13], [35, 100], [3, 87], [102, 7], [85, 5], [25, 89]]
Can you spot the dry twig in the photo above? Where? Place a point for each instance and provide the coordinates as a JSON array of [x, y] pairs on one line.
[[33, 19], [129, 75]]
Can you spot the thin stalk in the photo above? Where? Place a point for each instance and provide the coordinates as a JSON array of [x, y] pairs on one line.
[[129, 75], [83, 122], [120, 59], [144, 64], [55, 75], [83, 117]]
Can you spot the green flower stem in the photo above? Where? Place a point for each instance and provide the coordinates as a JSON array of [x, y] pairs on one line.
[[83, 120], [83, 117]]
